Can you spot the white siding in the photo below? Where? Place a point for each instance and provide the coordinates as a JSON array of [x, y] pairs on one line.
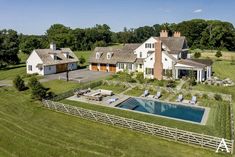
[[167, 62], [33, 61], [50, 69], [144, 50]]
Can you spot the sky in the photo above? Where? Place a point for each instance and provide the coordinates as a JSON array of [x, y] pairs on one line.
[[36, 16]]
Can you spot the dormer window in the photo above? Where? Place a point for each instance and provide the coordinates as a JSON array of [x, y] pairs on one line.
[[53, 56], [66, 54], [97, 56], [109, 55]]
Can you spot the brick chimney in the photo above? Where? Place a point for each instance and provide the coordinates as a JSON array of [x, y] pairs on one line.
[[158, 66], [164, 33], [177, 34]]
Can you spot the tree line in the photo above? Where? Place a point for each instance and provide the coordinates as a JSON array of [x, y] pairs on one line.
[[203, 34]]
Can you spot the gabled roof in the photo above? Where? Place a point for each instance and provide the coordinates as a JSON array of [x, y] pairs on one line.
[[195, 62], [124, 54], [174, 44], [45, 55]]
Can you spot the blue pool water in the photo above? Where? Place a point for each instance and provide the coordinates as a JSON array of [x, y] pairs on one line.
[[164, 109]]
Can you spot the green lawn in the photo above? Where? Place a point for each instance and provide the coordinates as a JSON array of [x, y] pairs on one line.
[[61, 86], [27, 129], [224, 69], [85, 54], [11, 72]]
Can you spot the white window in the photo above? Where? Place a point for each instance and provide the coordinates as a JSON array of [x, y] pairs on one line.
[[121, 65], [140, 54], [109, 55], [130, 66], [49, 68], [148, 45], [97, 55], [165, 59], [149, 71], [153, 45], [140, 66], [30, 68]]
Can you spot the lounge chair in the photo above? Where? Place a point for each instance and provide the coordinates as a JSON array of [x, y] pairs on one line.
[[112, 100], [158, 95], [193, 100], [180, 98], [146, 93]]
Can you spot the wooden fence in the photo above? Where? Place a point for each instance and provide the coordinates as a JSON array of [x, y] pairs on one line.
[[186, 137]]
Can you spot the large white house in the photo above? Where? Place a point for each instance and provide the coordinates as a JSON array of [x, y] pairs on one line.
[[157, 57], [51, 61]]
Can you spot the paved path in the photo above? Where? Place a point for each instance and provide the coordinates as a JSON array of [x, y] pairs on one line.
[[180, 85], [81, 75]]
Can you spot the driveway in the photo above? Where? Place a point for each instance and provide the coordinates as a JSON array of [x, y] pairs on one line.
[[81, 75]]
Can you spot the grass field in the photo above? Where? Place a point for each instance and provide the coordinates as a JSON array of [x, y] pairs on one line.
[[27, 129], [226, 55]]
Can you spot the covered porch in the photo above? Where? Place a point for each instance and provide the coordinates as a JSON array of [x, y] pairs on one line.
[[192, 69]]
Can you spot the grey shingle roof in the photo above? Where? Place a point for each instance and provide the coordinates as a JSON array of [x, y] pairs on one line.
[[124, 54], [45, 55], [175, 44], [195, 62]]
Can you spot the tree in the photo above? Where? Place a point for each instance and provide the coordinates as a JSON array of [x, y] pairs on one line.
[[218, 54], [82, 60], [19, 83], [197, 55], [29, 43], [9, 47], [37, 90], [140, 77]]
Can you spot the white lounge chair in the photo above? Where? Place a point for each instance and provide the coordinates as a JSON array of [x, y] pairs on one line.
[[193, 100], [112, 100], [146, 93], [158, 95], [180, 98]]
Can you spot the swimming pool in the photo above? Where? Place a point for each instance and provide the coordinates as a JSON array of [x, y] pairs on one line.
[[182, 112]]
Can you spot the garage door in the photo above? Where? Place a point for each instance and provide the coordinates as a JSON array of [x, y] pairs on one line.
[[103, 67], [112, 68], [61, 67], [94, 67]]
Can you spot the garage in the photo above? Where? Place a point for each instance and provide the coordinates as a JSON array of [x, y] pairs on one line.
[[103, 67], [112, 68], [61, 68], [94, 67]]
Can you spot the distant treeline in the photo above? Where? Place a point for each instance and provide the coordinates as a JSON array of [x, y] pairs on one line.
[[203, 34]]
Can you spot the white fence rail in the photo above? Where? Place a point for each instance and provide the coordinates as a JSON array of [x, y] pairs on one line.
[[204, 141]]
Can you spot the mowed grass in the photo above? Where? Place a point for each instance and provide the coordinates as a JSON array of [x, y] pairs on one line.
[[226, 55], [11, 72], [224, 69], [27, 129], [60, 86]]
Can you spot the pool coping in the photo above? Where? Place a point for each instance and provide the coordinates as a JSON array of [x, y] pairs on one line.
[[203, 120], [115, 106]]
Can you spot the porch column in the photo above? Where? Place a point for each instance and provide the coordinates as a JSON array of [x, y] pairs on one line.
[[209, 72], [176, 73], [198, 76]]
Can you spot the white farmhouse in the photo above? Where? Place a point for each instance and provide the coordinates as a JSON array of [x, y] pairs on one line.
[[51, 61], [157, 58]]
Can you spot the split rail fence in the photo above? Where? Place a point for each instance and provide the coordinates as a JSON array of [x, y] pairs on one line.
[[186, 137]]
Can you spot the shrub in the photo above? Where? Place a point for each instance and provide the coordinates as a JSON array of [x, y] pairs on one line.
[[140, 77], [218, 97], [218, 54], [37, 90], [82, 60], [204, 96], [19, 83], [192, 82], [197, 55], [171, 84]]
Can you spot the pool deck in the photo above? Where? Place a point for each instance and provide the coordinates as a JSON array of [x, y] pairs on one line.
[[122, 97], [104, 101]]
